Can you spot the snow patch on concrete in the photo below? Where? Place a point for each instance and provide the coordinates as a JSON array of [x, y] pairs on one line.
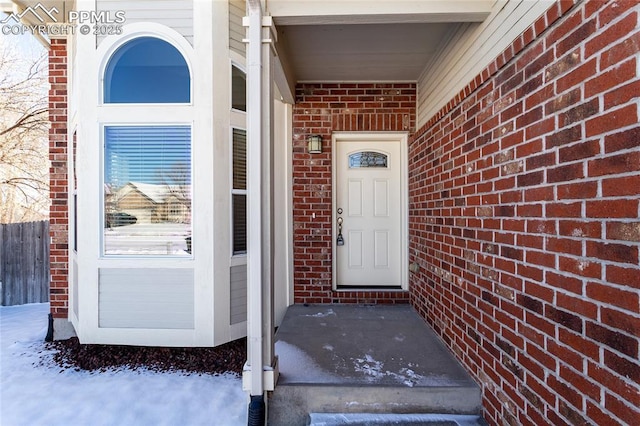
[[370, 367], [328, 313], [294, 362], [375, 372]]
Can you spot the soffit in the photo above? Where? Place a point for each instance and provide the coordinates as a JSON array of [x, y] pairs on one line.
[[361, 52]]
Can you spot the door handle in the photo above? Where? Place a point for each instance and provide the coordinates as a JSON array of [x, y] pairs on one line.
[[340, 239]]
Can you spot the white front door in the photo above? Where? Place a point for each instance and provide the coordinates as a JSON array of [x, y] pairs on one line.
[[368, 212]]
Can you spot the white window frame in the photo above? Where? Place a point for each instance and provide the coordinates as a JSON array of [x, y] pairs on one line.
[[234, 191], [142, 114], [238, 120], [103, 126]]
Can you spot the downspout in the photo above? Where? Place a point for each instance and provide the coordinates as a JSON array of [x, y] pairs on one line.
[[255, 356]]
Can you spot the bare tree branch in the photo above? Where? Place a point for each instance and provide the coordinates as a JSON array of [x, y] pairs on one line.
[[29, 118], [24, 157]]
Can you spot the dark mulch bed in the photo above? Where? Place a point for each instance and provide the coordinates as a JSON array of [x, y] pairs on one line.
[[227, 358]]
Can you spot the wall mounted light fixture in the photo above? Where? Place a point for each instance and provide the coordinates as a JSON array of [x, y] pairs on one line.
[[314, 144]]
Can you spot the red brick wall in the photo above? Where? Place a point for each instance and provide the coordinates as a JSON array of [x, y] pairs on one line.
[[322, 109], [58, 216], [524, 217]]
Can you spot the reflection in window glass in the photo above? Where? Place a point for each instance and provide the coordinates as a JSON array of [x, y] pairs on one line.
[[147, 70], [238, 89], [147, 190], [239, 191], [367, 159]]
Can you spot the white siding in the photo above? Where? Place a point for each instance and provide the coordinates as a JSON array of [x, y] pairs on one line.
[[74, 289], [146, 298], [470, 48], [237, 9], [238, 294], [175, 14]]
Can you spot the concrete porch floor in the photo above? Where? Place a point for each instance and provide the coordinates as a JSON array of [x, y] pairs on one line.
[[365, 359]]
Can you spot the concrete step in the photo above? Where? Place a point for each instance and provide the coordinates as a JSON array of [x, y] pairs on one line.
[[289, 405], [361, 359], [368, 419]]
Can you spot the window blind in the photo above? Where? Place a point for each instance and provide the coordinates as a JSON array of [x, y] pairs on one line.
[[147, 190]]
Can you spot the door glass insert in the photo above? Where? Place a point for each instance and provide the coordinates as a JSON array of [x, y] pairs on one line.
[[367, 159]]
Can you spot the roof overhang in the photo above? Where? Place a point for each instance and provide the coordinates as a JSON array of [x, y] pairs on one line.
[[315, 12]]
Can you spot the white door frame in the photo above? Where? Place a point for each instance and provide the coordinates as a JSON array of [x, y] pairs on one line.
[[403, 139]]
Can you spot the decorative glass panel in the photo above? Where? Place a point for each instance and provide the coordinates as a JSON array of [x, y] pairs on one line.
[[238, 89], [147, 70], [367, 159], [147, 190]]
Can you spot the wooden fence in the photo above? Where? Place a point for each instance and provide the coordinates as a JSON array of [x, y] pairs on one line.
[[24, 263]]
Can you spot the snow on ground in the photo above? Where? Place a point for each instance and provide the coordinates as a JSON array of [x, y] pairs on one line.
[[34, 391]]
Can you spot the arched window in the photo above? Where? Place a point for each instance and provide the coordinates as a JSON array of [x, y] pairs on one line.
[[147, 70]]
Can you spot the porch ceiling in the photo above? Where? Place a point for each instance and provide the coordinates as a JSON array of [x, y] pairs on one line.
[[366, 40], [361, 52]]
